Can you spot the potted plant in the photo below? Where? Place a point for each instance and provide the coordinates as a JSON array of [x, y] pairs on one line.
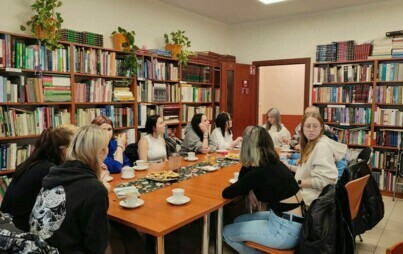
[[46, 22], [177, 43], [124, 40]]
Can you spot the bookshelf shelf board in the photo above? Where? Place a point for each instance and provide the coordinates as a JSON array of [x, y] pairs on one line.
[[343, 83], [390, 83], [390, 194], [6, 172], [390, 104], [33, 103], [170, 124], [161, 80], [197, 83], [94, 47], [344, 62], [124, 128], [386, 169], [347, 124], [19, 137], [389, 126], [199, 63], [47, 72], [343, 103], [77, 74], [387, 147], [356, 145], [195, 103], [158, 103], [106, 103]]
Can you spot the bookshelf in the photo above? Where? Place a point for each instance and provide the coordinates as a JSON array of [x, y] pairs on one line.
[[362, 101]]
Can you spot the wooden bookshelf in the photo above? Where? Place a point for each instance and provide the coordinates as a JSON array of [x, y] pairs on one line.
[[374, 87]]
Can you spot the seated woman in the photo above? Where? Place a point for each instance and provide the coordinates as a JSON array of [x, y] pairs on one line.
[[152, 146], [278, 132], [317, 167], [221, 136], [116, 159], [196, 135], [70, 212], [271, 181], [50, 150]]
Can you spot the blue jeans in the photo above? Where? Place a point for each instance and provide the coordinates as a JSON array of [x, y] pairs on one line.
[[264, 228]]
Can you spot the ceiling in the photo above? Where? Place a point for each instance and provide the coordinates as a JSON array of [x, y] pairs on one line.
[[233, 12]]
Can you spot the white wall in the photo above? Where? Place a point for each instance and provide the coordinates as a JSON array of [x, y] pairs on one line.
[[150, 19], [297, 37]]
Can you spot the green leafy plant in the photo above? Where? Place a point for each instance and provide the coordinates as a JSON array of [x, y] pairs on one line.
[[179, 38], [45, 24], [129, 46]]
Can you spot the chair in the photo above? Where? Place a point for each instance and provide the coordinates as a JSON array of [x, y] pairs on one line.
[[268, 249], [355, 189], [365, 154], [395, 249]]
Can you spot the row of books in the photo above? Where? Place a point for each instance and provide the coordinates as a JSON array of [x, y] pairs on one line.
[[21, 122], [196, 94], [56, 88], [389, 117], [19, 54], [382, 48], [189, 111], [354, 136], [389, 137], [397, 47], [147, 91], [342, 94], [4, 183], [386, 181], [170, 113], [389, 94], [12, 155], [390, 71], [157, 70], [385, 160], [120, 116], [196, 73], [10, 89], [338, 51], [345, 115], [217, 95], [343, 73], [94, 90]]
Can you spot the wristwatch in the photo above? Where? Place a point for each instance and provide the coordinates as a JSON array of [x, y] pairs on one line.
[[299, 182]]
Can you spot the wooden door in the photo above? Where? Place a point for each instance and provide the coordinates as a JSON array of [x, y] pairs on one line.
[[239, 95]]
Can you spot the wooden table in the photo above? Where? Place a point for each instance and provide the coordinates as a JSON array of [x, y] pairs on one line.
[[157, 217]]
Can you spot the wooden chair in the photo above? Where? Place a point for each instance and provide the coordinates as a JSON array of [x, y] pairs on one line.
[[355, 190], [395, 249], [268, 249]]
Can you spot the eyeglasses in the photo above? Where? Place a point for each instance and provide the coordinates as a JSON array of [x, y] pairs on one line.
[[311, 126]]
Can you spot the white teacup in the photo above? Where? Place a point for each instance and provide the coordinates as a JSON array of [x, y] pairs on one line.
[[131, 198], [178, 193], [236, 175], [191, 155], [127, 172], [141, 163]]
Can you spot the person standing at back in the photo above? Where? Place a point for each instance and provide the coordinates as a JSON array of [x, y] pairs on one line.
[[49, 150], [278, 132], [70, 212]]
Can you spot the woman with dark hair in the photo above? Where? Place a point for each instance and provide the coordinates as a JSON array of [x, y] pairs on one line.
[[116, 159], [152, 145], [278, 132], [196, 135], [50, 150], [221, 136], [266, 179]]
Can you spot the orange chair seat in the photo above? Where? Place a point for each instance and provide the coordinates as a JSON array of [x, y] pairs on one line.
[[268, 249]]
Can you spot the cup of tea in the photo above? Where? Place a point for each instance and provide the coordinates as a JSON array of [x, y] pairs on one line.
[[141, 163], [131, 198], [191, 155], [127, 172], [178, 194]]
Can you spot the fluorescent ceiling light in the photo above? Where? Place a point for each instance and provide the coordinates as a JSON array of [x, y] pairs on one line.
[[271, 1]]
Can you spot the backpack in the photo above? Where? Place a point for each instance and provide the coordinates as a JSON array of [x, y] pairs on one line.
[[132, 153], [327, 226]]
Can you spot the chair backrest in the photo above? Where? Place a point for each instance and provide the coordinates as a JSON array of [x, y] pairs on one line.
[[400, 165], [355, 190], [365, 154], [395, 249]]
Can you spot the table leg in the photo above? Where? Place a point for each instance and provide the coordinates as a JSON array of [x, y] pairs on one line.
[[219, 231], [206, 233], [160, 245]]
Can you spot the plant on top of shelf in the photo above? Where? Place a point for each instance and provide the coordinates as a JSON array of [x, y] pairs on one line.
[[177, 43], [124, 40], [46, 23]]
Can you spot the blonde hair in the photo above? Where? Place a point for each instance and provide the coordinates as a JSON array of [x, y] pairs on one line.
[[276, 115], [86, 145], [308, 146], [69, 127], [311, 109]]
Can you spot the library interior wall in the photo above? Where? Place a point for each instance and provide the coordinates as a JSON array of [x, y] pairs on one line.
[[149, 19]]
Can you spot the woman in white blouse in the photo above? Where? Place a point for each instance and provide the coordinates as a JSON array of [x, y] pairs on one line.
[[221, 136], [152, 146], [278, 132]]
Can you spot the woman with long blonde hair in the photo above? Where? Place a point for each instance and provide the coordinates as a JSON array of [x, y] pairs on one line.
[[317, 166], [278, 132]]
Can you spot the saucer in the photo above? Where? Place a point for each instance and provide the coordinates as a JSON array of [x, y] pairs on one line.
[[209, 168], [109, 178], [140, 168], [232, 181], [139, 202], [191, 159], [222, 151], [287, 150], [174, 201], [127, 177]]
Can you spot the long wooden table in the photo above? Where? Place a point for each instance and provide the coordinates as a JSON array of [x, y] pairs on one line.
[[157, 217]]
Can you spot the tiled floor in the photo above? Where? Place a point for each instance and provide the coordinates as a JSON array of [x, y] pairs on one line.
[[388, 231]]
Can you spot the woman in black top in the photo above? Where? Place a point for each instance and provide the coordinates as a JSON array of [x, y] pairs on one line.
[[266, 179]]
